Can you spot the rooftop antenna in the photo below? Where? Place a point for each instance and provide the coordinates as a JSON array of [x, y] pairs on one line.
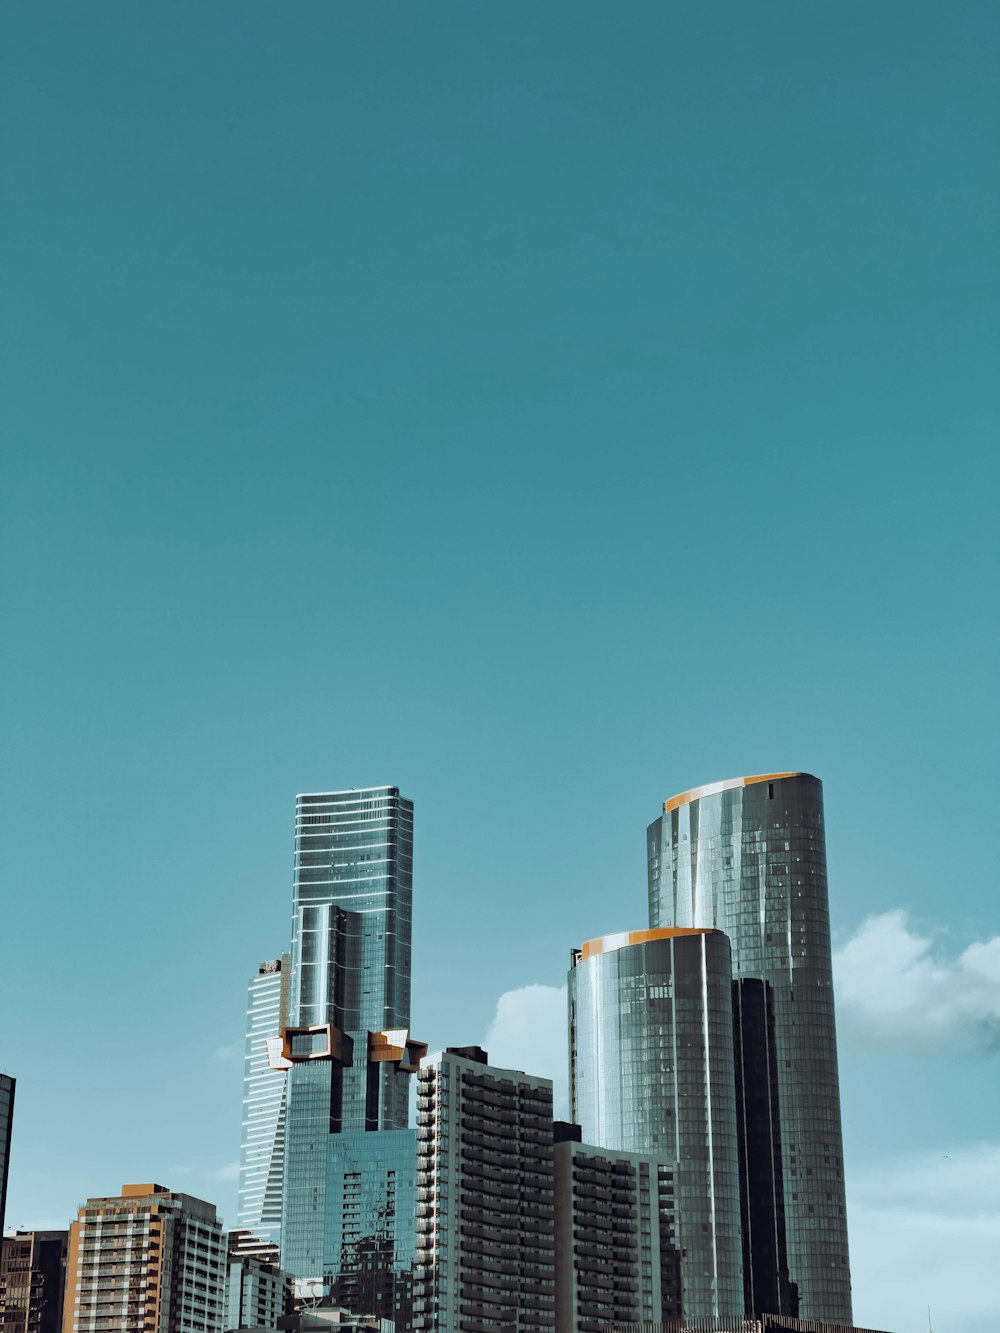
[[929, 1329]]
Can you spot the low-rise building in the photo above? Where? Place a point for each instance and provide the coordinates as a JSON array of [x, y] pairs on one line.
[[258, 1293], [333, 1319]]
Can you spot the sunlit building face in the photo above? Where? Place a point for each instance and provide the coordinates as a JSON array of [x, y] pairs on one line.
[[652, 1071]]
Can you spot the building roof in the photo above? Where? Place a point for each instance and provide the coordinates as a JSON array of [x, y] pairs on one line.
[[713, 788], [624, 938]]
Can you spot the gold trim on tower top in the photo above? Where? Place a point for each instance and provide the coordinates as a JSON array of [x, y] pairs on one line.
[[712, 788], [624, 938]]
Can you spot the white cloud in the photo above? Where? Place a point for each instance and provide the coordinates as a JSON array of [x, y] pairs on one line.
[[231, 1171], [895, 988], [225, 1055], [925, 1231], [528, 1032]]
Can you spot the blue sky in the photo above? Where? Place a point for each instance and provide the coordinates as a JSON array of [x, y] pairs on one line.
[[545, 408]]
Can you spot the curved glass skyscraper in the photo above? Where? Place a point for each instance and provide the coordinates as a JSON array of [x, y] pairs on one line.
[[748, 857], [652, 1071]]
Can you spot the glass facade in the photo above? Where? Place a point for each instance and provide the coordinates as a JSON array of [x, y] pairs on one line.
[[350, 1202], [307, 1134], [370, 1214], [652, 1071], [350, 1160], [748, 857], [766, 1282], [262, 1146], [352, 920]]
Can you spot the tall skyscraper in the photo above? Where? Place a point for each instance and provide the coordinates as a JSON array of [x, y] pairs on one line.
[[485, 1203], [347, 1224], [352, 923], [32, 1281], [262, 1147], [652, 1071], [7, 1085], [748, 857], [146, 1261]]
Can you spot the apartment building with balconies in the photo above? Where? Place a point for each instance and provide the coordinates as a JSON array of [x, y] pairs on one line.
[[485, 1198], [146, 1261]]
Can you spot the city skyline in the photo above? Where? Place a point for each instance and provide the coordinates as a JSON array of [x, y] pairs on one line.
[[549, 410], [269, 973], [676, 1036]]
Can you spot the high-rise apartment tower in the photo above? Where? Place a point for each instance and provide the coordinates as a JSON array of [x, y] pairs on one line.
[[347, 1215], [652, 1071], [616, 1254], [262, 1146], [146, 1261], [748, 857], [485, 1202]]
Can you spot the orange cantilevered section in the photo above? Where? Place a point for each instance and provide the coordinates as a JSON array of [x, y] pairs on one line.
[[696, 793], [396, 1046], [622, 940]]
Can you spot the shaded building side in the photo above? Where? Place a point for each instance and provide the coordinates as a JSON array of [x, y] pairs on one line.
[[616, 1253], [766, 1283], [32, 1281], [7, 1087]]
